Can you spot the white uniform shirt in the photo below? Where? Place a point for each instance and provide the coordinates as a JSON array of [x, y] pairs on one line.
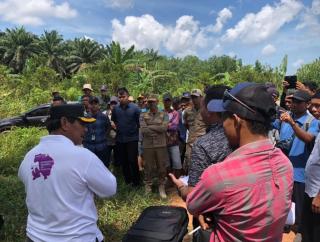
[[60, 180]]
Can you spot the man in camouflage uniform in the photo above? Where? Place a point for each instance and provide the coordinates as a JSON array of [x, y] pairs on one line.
[[153, 126], [195, 125]]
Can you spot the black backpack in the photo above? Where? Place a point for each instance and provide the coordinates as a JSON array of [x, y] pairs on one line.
[[159, 224]]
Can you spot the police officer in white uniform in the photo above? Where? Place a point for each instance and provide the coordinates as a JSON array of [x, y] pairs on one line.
[[61, 178]]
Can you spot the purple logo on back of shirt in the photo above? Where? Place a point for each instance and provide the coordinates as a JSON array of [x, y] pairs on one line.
[[43, 165]]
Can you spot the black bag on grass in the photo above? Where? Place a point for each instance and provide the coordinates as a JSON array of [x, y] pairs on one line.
[[159, 224]]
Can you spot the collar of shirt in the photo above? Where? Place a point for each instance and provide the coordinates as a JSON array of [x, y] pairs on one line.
[[213, 127], [301, 119], [253, 147], [57, 138]]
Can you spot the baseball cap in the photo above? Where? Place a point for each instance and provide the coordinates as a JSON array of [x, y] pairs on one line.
[[186, 95], [113, 99], [250, 101], [103, 88], [167, 96], [196, 92], [87, 86], [302, 96], [70, 111]]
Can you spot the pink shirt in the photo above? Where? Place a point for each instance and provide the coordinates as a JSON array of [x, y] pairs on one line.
[[249, 194]]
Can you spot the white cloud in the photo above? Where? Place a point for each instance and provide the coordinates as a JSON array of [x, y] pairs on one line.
[[268, 50], [254, 28], [310, 18], [222, 18], [298, 63], [316, 7], [122, 4], [216, 50], [232, 54], [88, 37], [143, 32], [33, 12], [185, 38]]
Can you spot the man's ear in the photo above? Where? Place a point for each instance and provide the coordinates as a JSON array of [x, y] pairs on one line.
[[64, 123], [237, 120]]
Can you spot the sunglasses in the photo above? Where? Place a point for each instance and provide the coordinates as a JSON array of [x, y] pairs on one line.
[[228, 96]]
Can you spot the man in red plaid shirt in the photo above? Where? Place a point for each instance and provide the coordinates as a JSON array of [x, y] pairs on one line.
[[248, 195]]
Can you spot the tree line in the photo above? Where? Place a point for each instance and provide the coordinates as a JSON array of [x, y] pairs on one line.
[[32, 66]]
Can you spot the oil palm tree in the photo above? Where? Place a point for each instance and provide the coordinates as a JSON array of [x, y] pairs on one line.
[[51, 46], [84, 52], [16, 46], [117, 55]]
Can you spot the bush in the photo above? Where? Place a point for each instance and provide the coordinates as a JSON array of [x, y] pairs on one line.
[[14, 145], [13, 209]]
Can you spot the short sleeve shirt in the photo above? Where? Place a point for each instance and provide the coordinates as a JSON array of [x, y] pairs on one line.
[[299, 152], [208, 149]]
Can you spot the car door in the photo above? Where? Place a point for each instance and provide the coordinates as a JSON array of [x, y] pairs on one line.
[[37, 117]]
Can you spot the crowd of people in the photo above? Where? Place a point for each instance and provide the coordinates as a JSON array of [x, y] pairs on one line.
[[244, 155]]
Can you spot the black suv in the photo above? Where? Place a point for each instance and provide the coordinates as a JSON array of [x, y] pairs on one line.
[[34, 117]]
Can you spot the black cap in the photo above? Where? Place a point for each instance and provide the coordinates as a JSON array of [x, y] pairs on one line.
[[302, 96], [256, 97], [94, 100], [167, 96], [186, 95], [70, 111]]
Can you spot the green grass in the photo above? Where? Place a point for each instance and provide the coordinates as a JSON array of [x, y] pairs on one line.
[[115, 215]]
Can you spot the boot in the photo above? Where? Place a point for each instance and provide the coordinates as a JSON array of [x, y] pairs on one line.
[[162, 191]]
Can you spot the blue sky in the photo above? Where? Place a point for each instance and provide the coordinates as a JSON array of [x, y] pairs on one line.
[[248, 29]]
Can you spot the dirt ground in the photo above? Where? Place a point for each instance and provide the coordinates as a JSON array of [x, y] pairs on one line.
[[175, 200]]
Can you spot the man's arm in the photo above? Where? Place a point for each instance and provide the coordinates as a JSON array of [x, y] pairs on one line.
[[137, 116], [207, 195], [316, 204], [305, 136], [162, 127], [199, 162], [99, 179], [144, 127]]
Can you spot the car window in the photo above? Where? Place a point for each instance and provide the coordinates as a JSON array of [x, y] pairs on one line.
[[39, 112]]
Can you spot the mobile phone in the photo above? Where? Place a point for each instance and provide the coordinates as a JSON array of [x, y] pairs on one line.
[[292, 80]]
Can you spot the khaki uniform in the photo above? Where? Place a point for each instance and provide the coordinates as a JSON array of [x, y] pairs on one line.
[[196, 128], [153, 127]]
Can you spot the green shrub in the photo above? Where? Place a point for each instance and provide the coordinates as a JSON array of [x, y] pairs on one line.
[[14, 145], [13, 209]]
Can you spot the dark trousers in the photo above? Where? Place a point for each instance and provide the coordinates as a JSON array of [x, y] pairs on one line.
[[298, 198], [310, 223], [116, 160], [128, 155], [102, 154]]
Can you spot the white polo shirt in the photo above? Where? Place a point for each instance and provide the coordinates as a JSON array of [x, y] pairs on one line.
[[60, 180]]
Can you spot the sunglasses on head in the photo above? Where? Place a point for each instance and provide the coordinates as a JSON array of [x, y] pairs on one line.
[[228, 96]]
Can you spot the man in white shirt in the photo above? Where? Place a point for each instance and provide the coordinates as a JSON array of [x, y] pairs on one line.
[[61, 178]]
